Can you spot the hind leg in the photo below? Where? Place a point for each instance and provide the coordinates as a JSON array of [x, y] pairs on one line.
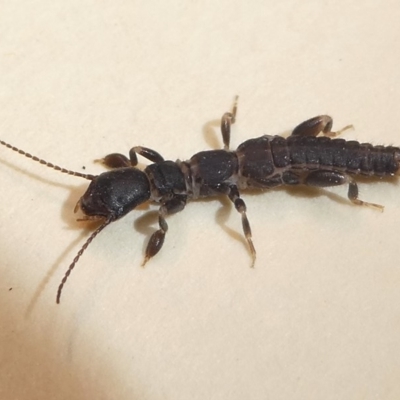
[[315, 126], [334, 178]]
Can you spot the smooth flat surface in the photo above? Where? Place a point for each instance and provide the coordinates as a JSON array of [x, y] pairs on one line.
[[318, 317]]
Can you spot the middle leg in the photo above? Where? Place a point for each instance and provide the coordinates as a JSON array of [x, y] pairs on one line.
[[227, 120], [234, 196]]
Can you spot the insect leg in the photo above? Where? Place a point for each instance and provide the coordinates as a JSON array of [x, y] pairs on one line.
[[117, 160], [234, 195], [169, 207], [315, 126], [227, 120], [334, 178], [145, 152]]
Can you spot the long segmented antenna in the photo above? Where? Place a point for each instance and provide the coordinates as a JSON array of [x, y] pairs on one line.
[[47, 164], [78, 256]]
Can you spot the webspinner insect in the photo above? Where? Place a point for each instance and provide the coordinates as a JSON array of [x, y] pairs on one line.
[[311, 155]]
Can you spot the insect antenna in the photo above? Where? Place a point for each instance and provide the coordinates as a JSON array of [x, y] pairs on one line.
[[47, 164], [78, 256]]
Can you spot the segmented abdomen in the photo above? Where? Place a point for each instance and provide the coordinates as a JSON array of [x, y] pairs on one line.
[[338, 154], [270, 161]]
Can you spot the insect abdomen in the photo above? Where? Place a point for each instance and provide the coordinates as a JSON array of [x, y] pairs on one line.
[[309, 153]]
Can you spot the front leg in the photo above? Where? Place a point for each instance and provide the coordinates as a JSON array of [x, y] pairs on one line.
[[169, 207], [117, 160]]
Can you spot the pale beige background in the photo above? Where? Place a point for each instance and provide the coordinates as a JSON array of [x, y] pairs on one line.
[[319, 316]]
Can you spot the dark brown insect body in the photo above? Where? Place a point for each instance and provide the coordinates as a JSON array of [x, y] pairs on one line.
[[264, 162]]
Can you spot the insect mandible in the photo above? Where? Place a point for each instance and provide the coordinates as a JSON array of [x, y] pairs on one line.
[[311, 155]]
